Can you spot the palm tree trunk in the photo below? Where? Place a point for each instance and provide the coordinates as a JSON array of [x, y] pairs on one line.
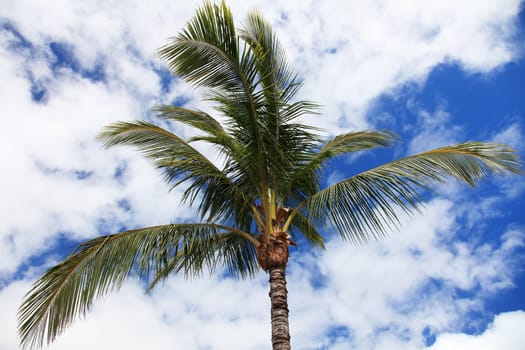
[[279, 311]]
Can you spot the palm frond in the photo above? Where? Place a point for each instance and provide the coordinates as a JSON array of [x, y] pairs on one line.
[[102, 264], [181, 163], [278, 80], [356, 141], [294, 110], [228, 145], [307, 229], [313, 161], [158, 144], [236, 253], [363, 206], [206, 52], [285, 141], [176, 157], [347, 143], [196, 119]]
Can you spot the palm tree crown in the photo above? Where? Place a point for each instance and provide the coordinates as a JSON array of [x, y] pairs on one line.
[[266, 190]]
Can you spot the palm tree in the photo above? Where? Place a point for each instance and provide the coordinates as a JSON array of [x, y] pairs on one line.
[[265, 192]]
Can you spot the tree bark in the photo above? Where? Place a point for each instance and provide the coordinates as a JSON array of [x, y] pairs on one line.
[[279, 310]]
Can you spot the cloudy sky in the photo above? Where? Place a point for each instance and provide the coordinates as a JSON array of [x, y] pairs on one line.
[[434, 72]]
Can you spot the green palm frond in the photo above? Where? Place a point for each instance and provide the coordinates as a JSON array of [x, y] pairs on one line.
[[363, 206], [206, 52], [287, 142], [102, 264], [294, 110], [468, 162], [279, 82], [310, 166], [232, 148], [179, 160], [356, 141], [347, 143], [307, 229], [228, 145], [181, 163], [156, 143], [237, 255], [196, 119]]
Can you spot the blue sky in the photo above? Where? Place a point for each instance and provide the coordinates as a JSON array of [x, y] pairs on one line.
[[434, 73]]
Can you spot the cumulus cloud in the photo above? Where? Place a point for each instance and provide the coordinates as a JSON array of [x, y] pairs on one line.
[[506, 332], [349, 56], [365, 49], [58, 177], [432, 129], [396, 289], [511, 135]]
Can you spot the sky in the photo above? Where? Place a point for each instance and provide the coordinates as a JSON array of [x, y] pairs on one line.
[[435, 73]]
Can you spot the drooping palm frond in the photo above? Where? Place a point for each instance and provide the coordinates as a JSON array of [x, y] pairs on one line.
[[102, 264], [237, 255], [364, 206], [182, 163]]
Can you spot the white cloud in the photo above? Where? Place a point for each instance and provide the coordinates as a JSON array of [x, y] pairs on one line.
[[10, 298], [505, 333], [334, 177], [511, 135], [432, 129], [349, 56], [394, 289], [364, 49], [48, 146]]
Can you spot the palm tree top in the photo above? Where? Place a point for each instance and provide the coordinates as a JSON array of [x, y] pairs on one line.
[[268, 185]]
